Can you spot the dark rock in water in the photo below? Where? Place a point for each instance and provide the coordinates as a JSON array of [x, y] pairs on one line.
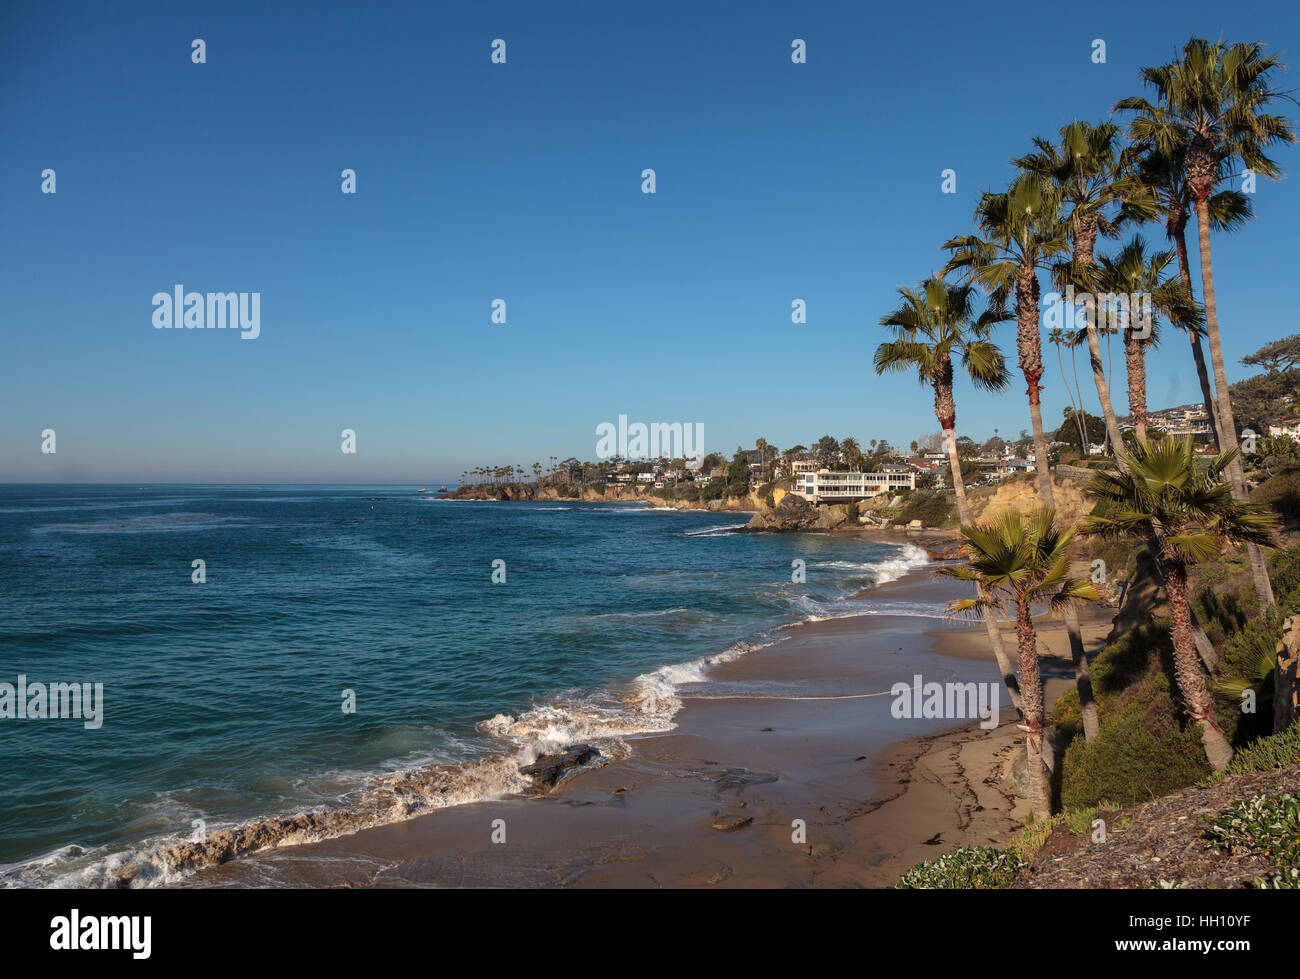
[[945, 550], [735, 779], [547, 770]]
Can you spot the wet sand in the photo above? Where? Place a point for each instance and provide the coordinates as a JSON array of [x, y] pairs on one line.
[[785, 769]]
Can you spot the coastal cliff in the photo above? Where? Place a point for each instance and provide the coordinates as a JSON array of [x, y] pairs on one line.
[[607, 493], [784, 512]]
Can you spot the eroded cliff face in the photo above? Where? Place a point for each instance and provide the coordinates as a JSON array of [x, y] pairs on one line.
[[1022, 495]]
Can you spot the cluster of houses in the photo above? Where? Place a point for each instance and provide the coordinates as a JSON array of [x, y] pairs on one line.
[[1183, 420], [664, 474], [1194, 421], [816, 481], [819, 482]]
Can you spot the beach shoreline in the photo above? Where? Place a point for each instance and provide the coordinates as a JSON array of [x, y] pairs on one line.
[[813, 784]]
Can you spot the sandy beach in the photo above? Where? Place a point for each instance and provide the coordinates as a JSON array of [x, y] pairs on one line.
[[785, 769]]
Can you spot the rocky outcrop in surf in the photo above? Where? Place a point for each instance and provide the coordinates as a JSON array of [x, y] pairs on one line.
[[549, 770], [795, 514]]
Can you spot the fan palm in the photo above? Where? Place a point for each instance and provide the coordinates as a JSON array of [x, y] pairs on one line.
[[1161, 486], [1025, 561], [1165, 177], [1212, 108], [1134, 273], [1059, 338], [936, 322], [852, 452], [1097, 189], [1022, 231]]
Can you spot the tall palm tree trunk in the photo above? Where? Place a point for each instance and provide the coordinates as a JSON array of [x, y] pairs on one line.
[[1085, 243], [1135, 361], [1103, 388], [1084, 256], [1078, 421], [1187, 671], [1030, 348], [1178, 230], [1031, 686], [1227, 424], [945, 409]]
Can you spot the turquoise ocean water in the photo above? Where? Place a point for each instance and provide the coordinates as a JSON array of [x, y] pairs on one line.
[[223, 701]]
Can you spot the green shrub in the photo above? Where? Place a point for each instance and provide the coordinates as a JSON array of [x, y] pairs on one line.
[[1287, 880], [1281, 492], [1115, 669], [1266, 754], [981, 867], [1143, 749], [1284, 570], [1268, 825], [1080, 821], [1024, 846], [714, 489], [853, 515], [931, 507], [966, 868], [1137, 756], [1248, 660]]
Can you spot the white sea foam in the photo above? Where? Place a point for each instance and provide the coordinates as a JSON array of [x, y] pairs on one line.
[[716, 531], [889, 569], [605, 719]]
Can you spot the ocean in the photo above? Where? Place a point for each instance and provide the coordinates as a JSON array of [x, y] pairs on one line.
[[342, 634]]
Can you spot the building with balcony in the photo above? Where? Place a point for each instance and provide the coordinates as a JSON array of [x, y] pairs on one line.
[[824, 486]]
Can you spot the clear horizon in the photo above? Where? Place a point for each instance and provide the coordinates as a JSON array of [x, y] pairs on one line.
[[522, 181]]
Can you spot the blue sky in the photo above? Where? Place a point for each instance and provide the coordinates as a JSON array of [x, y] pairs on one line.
[[522, 181]]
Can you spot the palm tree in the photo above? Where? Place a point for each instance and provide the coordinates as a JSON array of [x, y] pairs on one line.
[[1212, 109], [1059, 338], [1133, 272], [762, 445], [936, 322], [793, 453], [1023, 232], [1165, 177], [1160, 488], [1026, 561], [852, 453], [1087, 167]]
